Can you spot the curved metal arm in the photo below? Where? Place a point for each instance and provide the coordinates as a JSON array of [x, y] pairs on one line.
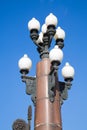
[[38, 45]]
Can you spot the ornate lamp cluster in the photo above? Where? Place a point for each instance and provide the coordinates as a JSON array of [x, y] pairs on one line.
[[48, 31], [43, 41]]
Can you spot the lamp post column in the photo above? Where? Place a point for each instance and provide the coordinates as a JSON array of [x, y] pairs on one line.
[[47, 92], [47, 113]]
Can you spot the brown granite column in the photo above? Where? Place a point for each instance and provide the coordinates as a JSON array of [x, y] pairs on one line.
[[47, 114]]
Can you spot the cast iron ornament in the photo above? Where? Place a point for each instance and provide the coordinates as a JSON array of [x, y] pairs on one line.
[[19, 124]]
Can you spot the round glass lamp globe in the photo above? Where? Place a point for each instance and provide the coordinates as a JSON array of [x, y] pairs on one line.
[[25, 63], [68, 71], [51, 20], [40, 39], [56, 54], [34, 24], [44, 28], [60, 34]]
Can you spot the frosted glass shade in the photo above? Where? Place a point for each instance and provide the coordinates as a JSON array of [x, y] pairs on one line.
[[68, 71], [51, 20], [40, 39], [56, 54], [25, 63], [34, 24], [44, 28], [60, 34]]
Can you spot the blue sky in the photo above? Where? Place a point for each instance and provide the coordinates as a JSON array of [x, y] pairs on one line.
[[15, 42]]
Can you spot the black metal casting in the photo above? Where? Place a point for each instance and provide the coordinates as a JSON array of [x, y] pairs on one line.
[[51, 30], [34, 35], [20, 124], [43, 48], [29, 117], [52, 80], [62, 86], [45, 45], [29, 113], [60, 43], [51, 86]]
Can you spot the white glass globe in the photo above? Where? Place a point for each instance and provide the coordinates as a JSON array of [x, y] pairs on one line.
[[40, 39], [44, 28], [25, 63], [56, 54], [51, 20], [68, 71], [60, 34], [34, 24]]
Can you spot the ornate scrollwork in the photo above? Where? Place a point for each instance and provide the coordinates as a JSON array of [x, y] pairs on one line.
[[30, 87], [63, 88], [19, 124]]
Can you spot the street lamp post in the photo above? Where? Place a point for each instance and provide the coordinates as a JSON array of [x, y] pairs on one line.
[[47, 92]]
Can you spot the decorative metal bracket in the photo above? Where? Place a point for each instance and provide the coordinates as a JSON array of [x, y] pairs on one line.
[[43, 47], [20, 124], [30, 87], [62, 86], [51, 85], [52, 80]]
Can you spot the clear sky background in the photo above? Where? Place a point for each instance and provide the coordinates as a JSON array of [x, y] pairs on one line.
[[15, 42]]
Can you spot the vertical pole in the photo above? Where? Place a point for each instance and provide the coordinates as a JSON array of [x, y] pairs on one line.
[[47, 114], [29, 117]]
